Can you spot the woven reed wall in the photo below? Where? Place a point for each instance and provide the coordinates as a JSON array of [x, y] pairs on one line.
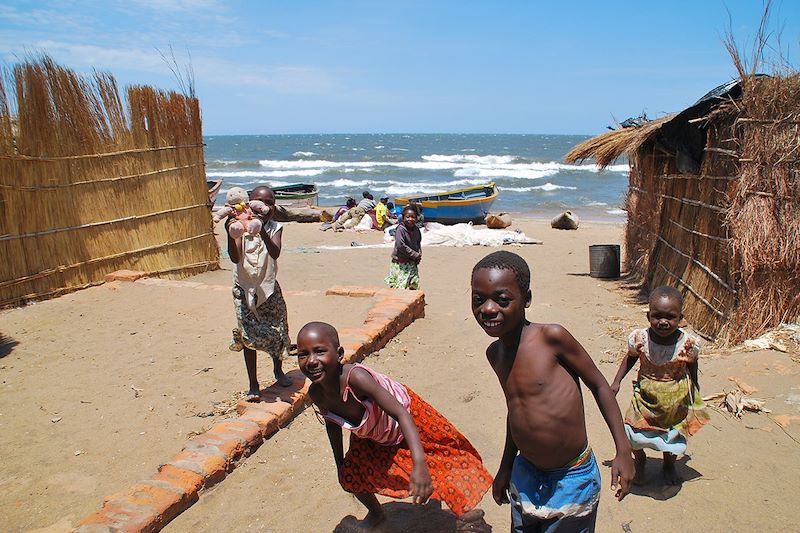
[[692, 250], [91, 182]]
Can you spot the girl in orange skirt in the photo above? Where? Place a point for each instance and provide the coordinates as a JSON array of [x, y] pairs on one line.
[[399, 445]]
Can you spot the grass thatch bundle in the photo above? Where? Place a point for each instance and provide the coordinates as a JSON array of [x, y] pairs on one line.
[[714, 204], [91, 182]]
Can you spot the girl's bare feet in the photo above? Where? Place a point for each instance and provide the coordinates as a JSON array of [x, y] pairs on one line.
[[639, 461], [282, 379]]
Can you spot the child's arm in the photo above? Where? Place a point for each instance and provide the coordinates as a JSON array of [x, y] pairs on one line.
[[692, 367], [627, 363], [273, 243], [363, 385], [624, 368], [335, 437], [503, 477], [574, 355], [233, 250], [403, 240]]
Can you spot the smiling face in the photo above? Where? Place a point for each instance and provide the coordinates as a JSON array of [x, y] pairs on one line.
[[409, 217], [498, 302], [319, 354], [664, 315]]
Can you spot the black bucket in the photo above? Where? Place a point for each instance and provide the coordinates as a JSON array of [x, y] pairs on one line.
[[604, 260]]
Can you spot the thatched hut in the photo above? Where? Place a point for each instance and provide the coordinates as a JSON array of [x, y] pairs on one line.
[[92, 181], [714, 204]]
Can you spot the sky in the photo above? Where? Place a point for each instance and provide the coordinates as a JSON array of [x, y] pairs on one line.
[[569, 67]]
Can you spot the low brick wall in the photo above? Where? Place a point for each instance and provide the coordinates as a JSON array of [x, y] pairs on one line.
[[207, 458]]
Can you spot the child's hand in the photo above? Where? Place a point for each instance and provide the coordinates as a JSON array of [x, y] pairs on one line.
[[421, 485], [622, 472], [500, 486]]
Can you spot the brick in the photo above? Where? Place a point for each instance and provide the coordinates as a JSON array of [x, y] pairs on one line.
[[245, 430], [282, 411], [125, 275], [229, 447], [211, 466], [190, 482], [147, 506], [267, 422]]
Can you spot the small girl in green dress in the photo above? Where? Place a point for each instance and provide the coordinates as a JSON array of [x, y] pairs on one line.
[[666, 407], [404, 269]]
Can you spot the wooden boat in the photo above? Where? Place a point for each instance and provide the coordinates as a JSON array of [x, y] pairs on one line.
[[471, 204], [213, 189], [296, 195]]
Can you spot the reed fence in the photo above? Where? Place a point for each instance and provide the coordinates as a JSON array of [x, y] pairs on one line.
[[92, 182]]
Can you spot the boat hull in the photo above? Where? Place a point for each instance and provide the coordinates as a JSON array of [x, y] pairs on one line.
[[453, 207], [300, 195]]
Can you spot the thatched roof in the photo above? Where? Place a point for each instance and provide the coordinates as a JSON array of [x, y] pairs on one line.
[[606, 148]]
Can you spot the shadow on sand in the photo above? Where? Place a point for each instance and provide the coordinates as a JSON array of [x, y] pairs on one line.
[[404, 517], [653, 485], [7, 345]]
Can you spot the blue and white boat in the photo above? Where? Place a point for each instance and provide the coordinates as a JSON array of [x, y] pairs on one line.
[[452, 207]]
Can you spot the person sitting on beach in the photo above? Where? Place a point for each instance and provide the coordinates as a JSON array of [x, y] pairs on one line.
[[348, 204], [399, 445], [353, 216], [261, 319], [382, 215], [548, 471], [407, 253], [666, 406]]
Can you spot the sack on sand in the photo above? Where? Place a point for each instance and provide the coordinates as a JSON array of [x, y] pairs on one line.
[[566, 220], [498, 220]]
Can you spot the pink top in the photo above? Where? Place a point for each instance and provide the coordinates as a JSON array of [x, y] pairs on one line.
[[376, 425], [663, 362]]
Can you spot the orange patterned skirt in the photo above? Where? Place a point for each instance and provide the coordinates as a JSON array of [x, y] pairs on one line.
[[459, 478]]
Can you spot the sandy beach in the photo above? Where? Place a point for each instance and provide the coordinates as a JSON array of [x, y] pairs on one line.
[[101, 386]]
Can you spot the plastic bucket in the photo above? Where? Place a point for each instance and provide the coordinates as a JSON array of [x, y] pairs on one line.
[[604, 260]]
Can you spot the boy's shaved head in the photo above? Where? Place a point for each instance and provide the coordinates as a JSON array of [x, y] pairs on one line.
[[322, 328], [665, 291], [507, 261]]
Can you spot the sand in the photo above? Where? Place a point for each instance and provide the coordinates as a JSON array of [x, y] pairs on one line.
[[101, 386]]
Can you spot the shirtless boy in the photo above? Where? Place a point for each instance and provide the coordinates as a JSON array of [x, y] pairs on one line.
[[548, 472]]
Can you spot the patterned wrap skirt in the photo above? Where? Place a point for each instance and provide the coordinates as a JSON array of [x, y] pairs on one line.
[[663, 414], [403, 276], [459, 478], [267, 332]]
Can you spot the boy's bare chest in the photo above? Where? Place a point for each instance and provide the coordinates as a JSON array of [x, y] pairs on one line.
[[528, 374]]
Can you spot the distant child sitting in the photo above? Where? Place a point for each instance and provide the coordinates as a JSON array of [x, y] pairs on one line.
[[666, 407], [383, 216], [404, 269], [399, 445], [354, 215], [548, 470]]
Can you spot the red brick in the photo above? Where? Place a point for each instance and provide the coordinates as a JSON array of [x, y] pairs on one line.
[[190, 482], [125, 275], [267, 422], [228, 446], [245, 430], [212, 467]]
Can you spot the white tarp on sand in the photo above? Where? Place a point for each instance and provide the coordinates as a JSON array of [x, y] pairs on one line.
[[436, 234]]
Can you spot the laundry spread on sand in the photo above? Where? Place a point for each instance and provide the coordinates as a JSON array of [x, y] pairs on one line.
[[435, 234]]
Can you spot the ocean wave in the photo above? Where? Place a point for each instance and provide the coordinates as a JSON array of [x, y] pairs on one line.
[[304, 154], [227, 163], [595, 204], [379, 147], [492, 166], [263, 174], [547, 187], [420, 186], [616, 212]]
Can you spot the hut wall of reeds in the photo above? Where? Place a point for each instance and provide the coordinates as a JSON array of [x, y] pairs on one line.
[[714, 205], [91, 182]]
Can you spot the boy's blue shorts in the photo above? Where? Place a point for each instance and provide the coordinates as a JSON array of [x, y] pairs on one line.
[[554, 500]]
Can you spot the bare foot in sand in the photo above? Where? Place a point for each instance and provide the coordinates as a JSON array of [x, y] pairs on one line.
[[472, 521], [253, 395], [670, 474], [639, 461], [282, 379]]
